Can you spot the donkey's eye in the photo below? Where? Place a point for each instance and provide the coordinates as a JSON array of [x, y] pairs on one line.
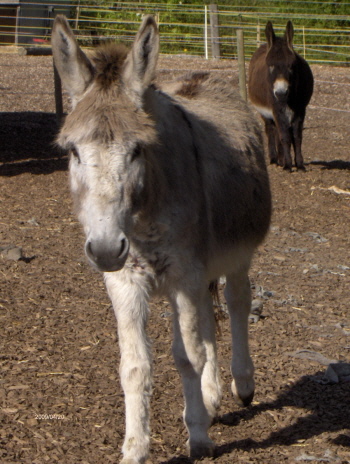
[[74, 153], [136, 152]]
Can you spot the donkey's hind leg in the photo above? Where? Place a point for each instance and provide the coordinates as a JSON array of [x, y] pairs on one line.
[[211, 384], [238, 298], [297, 127], [190, 354]]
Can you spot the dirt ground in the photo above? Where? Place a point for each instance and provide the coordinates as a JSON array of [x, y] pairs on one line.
[[60, 395]]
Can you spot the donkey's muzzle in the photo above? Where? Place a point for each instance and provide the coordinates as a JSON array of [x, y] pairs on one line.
[[281, 89], [107, 257], [281, 94]]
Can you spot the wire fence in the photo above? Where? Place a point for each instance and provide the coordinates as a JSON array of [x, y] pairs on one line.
[[185, 28]]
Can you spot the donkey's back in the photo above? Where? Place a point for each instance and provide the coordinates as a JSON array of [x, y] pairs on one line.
[[229, 148]]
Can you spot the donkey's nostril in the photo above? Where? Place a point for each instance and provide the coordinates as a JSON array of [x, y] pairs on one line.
[[123, 245], [88, 250], [107, 257], [281, 92]]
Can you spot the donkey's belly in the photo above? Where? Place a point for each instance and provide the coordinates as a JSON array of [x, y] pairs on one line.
[[230, 261]]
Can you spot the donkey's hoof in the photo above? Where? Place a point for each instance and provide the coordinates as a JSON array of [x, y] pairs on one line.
[[130, 461], [243, 391], [244, 401], [200, 450]]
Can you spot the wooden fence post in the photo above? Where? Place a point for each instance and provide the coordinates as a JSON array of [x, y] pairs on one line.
[[214, 30], [241, 64], [18, 11], [77, 16], [206, 32]]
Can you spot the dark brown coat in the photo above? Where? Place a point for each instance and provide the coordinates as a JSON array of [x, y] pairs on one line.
[[280, 87]]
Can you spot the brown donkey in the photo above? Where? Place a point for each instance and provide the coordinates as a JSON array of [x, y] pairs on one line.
[[172, 192], [280, 87]]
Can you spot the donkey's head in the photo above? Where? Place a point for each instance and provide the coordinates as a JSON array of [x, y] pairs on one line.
[[108, 135], [280, 59]]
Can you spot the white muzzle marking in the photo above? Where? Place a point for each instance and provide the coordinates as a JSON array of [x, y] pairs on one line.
[[280, 87]]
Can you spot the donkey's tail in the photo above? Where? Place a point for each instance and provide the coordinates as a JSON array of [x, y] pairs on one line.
[[214, 290], [220, 311]]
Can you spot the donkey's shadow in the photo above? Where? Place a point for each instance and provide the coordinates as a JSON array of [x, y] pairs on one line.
[[329, 412], [334, 164], [27, 144], [328, 407]]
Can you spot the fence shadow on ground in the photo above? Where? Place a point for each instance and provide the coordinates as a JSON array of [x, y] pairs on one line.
[[27, 144], [326, 407]]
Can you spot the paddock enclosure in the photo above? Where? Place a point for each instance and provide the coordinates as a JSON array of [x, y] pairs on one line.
[[61, 401]]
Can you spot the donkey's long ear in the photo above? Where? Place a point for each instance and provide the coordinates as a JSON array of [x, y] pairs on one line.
[[289, 34], [270, 35], [142, 59], [73, 66]]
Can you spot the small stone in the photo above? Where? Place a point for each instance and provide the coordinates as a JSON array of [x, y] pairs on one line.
[[255, 311], [317, 237], [338, 372], [32, 422], [256, 307], [12, 252], [33, 222]]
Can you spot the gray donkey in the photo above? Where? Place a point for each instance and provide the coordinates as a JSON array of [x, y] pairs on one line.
[[172, 191]]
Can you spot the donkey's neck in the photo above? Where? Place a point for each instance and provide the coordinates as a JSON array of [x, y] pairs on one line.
[[174, 172]]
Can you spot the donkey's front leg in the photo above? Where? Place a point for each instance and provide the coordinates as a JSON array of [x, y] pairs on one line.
[[130, 303], [272, 138], [285, 136], [190, 356]]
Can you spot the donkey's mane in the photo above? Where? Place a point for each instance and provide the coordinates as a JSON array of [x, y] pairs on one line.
[[191, 84], [108, 61]]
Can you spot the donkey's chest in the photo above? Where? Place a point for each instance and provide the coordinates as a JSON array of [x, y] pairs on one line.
[[146, 259], [275, 113], [151, 252]]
